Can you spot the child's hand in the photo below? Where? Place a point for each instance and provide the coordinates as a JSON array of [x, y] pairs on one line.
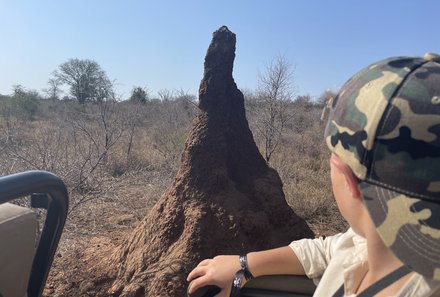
[[219, 271]]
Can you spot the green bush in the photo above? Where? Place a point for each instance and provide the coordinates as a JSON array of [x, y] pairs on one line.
[[26, 102]]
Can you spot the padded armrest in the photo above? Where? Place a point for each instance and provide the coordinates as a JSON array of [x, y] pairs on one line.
[[268, 286], [18, 236], [279, 285]]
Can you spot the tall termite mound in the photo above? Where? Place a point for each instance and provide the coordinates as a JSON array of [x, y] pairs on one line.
[[224, 200]]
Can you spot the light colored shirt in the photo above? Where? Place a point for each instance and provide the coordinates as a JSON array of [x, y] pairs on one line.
[[342, 258]]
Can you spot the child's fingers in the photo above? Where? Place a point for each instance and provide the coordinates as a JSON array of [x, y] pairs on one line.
[[196, 272], [196, 284]]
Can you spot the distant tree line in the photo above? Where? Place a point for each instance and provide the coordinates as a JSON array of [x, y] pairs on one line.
[[92, 139], [87, 82]]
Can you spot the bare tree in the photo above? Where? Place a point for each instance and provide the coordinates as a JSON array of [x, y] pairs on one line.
[[134, 116], [275, 90], [171, 127], [96, 130], [53, 90], [165, 95], [86, 79]]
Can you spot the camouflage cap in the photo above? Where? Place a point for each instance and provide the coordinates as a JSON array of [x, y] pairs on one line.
[[385, 124]]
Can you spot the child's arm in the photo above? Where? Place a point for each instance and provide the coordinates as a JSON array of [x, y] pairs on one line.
[[315, 254], [221, 270], [275, 261]]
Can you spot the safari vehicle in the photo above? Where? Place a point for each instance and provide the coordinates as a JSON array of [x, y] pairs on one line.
[[268, 286], [26, 254]]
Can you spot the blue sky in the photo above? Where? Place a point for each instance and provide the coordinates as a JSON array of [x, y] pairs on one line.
[[162, 44]]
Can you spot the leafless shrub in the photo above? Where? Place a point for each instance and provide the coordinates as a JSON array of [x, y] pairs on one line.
[[302, 162], [275, 90], [118, 157], [171, 127]]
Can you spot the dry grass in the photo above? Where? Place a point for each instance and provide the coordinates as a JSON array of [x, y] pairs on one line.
[[119, 158]]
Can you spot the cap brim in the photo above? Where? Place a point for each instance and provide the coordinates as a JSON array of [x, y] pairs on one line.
[[408, 226]]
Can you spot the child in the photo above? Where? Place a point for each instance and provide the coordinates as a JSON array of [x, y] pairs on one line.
[[384, 135]]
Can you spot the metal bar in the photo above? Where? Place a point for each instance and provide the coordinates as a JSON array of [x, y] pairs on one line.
[[56, 200]]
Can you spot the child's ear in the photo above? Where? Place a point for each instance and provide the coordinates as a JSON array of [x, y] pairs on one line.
[[352, 184], [351, 181]]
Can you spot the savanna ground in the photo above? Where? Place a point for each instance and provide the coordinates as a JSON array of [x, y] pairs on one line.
[[117, 158]]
